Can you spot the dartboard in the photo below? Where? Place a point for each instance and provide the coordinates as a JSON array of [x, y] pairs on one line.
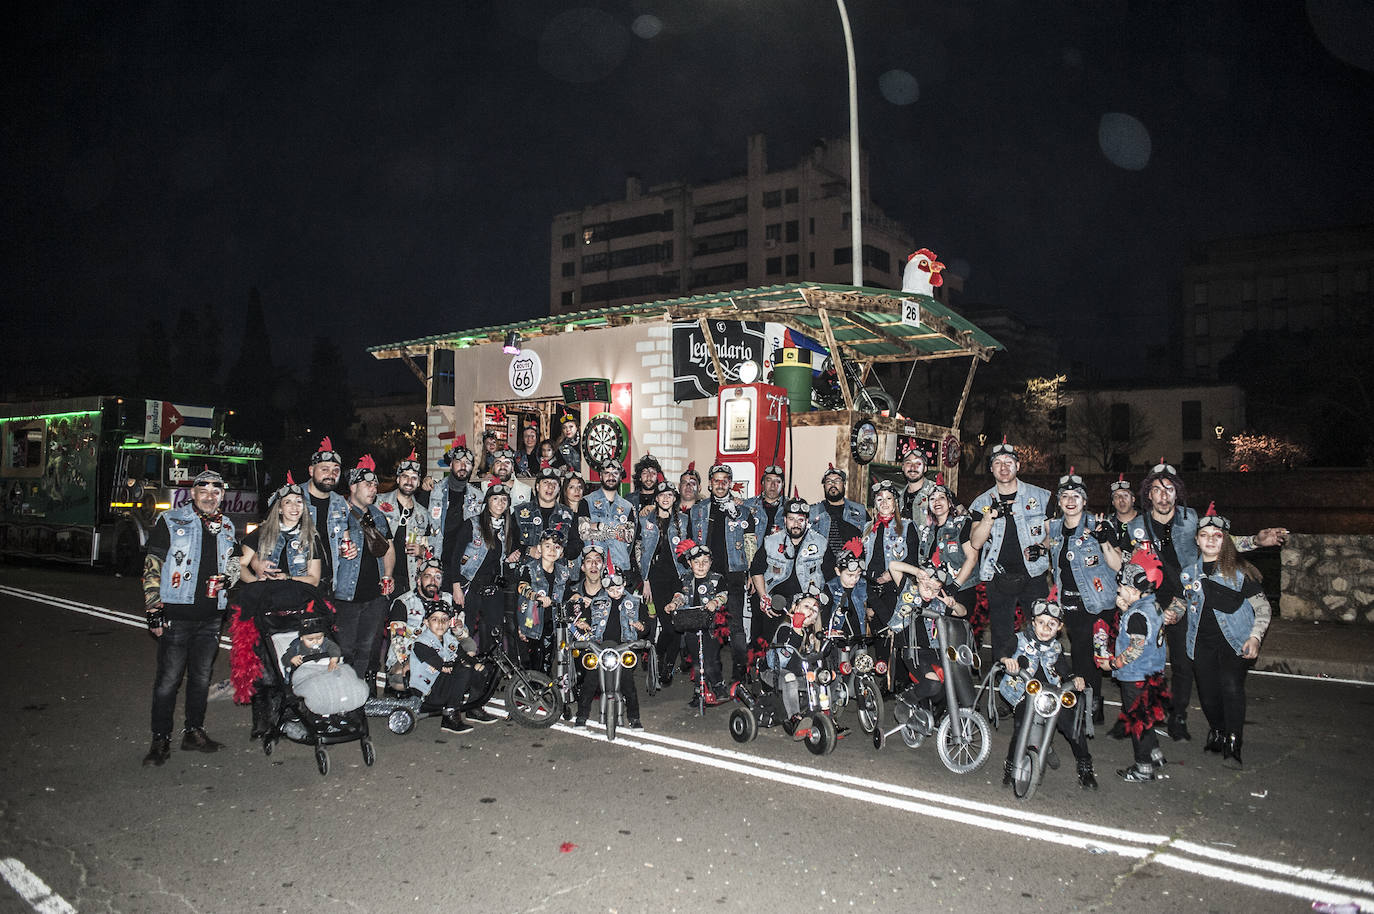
[[604, 439]]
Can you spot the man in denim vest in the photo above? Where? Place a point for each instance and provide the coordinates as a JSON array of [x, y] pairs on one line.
[[362, 580], [915, 505], [1010, 516], [185, 576], [329, 508]]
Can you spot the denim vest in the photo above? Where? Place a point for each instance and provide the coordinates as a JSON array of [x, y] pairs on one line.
[[1093, 578], [779, 553], [920, 504], [1184, 527], [945, 540], [346, 570], [571, 455], [853, 513], [438, 510], [908, 612], [295, 563], [648, 540], [859, 598], [1151, 661], [415, 624], [612, 512], [742, 523], [476, 550], [894, 542], [530, 613], [336, 524], [530, 521], [390, 505], [1029, 515], [699, 591], [181, 569], [629, 614], [759, 513], [422, 675], [1034, 657], [1236, 626]]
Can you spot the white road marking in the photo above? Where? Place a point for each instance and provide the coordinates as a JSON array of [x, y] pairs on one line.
[[33, 889], [1187, 856]]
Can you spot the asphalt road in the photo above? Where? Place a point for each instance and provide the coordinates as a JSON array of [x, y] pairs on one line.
[[676, 818]]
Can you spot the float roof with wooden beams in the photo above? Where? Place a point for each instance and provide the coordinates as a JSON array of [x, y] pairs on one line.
[[865, 323]]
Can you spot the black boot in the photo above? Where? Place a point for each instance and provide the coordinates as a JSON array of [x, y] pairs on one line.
[[1178, 727], [1087, 779], [1007, 773], [194, 739], [1215, 740], [1230, 749], [159, 751], [262, 716]]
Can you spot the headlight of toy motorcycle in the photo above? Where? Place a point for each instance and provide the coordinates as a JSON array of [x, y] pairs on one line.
[[610, 659], [589, 660], [863, 663], [1068, 699], [964, 654], [628, 659], [1045, 704], [1033, 687], [824, 676]]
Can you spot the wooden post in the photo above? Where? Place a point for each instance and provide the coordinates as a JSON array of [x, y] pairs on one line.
[[711, 348], [835, 359], [963, 398]]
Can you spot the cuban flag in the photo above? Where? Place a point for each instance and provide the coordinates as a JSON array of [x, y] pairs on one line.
[[163, 418]]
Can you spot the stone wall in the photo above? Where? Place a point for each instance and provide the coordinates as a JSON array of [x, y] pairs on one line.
[[1328, 578]]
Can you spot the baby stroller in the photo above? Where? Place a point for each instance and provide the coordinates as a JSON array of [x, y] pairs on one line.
[[289, 716]]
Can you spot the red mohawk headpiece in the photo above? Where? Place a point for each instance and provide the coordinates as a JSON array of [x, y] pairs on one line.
[[685, 546], [289, 480], [325, 453], [365, 471], [854, 547]]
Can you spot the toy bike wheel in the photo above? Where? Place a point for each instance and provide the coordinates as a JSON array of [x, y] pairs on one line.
[[1023, 779], [821, 741], [651, 673], [912, 737], [612, 719], [743, 725], [322, 761], [870, 707], [533, 701], [369, 754], [964, 741], [401, 721]]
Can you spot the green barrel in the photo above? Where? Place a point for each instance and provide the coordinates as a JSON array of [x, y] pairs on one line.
[[797, 380]]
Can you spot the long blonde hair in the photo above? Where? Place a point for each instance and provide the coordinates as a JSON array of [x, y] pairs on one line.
[[270, 532]]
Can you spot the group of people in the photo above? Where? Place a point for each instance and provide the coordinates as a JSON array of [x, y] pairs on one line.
[[424, 577]]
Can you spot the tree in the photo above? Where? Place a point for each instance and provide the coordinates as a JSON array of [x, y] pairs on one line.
[[1104, 430], [1250, 451]]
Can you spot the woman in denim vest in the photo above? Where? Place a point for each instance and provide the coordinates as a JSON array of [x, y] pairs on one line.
[[1084, 563], [1228, 615]]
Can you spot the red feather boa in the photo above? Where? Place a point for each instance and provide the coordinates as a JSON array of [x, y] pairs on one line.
[[244, 664], [1148, 707]]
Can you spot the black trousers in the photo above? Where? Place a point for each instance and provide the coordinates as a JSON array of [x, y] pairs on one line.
[[1220, 673], [667, 641], [448, 690], [1079, 623], [1004, 592], [1181, 667], [1147, 742], [360, 626], [485, 611]]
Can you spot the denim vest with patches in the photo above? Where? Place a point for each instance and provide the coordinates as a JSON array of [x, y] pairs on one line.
[[346, 570], [1151, 660], [612, 512], [530, 615], [1235, 627], [181, 570], [779, 554], [1028, 513], [648, 541], [735, 528], [1093, 578], [894, 543], [946, 541], [422, 675], [1034, 656]]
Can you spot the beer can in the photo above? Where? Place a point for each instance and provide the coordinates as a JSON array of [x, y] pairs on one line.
[[214, 585]]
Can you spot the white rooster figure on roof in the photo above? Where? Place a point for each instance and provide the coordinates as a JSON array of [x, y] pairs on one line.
[[922, 273]]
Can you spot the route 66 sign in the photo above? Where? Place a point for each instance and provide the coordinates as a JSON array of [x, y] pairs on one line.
[[525, 372]]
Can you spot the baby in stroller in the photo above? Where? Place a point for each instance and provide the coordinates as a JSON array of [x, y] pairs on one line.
[[316, 700]]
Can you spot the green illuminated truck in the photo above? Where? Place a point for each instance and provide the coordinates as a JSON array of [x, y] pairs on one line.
[[83, 479]]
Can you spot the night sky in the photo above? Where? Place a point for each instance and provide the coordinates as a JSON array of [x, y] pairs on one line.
[[383, 174]]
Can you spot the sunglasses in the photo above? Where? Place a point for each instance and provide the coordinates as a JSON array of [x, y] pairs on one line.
[[1053, 610]]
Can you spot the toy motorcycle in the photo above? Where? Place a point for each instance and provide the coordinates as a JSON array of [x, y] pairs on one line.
[[609, 659], [963, 739], [760, 701], [856, 681], [1033, 749]]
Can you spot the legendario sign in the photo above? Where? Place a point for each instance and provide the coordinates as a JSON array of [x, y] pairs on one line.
[[694, 372]]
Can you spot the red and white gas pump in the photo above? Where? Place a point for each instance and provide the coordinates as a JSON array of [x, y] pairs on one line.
[[751, 432]]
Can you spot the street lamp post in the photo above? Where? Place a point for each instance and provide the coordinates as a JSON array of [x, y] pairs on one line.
[[856, 235]]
